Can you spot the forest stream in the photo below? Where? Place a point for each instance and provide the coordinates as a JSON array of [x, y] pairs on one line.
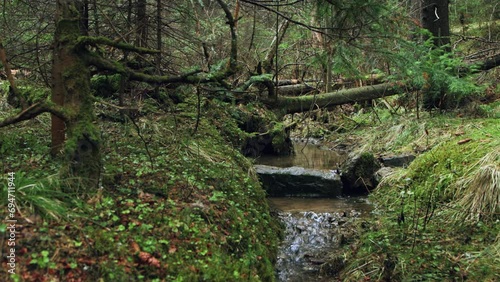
[[314, 227]]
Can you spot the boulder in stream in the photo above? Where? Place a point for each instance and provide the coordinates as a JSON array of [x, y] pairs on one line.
[[358, 174], [299, 181]]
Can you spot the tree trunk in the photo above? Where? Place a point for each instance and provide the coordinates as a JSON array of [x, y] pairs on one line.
[[83, 7], [159, 46], [141, 24], [71, 88], [435, 18], [327, 100], [267, 64], [296, 90]]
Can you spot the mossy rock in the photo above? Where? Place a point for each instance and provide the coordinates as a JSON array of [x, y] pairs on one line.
[[358, 174]]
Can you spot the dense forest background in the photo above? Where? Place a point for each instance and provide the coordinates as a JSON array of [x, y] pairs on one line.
[[127, 124]]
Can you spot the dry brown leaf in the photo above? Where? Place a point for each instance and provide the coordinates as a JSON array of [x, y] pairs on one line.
[[463, 141], [149, 259], [134, 246]]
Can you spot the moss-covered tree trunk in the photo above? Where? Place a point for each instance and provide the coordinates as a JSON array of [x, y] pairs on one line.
[[71, 88]]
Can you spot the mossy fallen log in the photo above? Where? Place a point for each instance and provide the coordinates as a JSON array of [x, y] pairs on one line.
[[327, 100]]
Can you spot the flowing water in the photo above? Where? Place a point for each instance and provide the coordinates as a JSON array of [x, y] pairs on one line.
[[307, 156], [314, 228]]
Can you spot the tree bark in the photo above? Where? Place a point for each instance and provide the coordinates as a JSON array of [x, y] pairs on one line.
[[296, 90], [141, 24], [267, 64], [328, 100], [71, 89], [435, 18]]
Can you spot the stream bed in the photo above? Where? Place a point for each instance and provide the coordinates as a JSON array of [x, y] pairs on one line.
[[314, 229]]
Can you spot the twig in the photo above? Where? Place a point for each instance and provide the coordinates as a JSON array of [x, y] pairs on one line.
[[143, 141], [198, 110]]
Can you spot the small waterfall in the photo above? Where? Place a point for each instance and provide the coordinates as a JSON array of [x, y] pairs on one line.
[[309, 238]]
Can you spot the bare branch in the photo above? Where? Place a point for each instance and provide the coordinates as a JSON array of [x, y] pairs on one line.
[[92, 40], [231, 68], [32, 112]]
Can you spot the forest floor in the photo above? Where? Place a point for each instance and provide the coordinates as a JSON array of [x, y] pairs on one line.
[[437, 219], [177, 203]]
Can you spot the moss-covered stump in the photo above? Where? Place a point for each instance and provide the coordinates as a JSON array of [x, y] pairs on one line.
[[358, 174]]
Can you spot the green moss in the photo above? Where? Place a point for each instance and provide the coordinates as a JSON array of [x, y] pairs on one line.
[[196, 206], [418, 222], [280, 138]]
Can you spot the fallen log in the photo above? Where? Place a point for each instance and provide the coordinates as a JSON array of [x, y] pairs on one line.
[[488, 63], [328, 100], [295, 90]]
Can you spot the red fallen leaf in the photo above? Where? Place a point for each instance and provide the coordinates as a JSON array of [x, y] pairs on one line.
[[134, 246], [144, 256], [463, 141], [155, 262], [86, 261], [149, 259], [23, 250], [172, 249]]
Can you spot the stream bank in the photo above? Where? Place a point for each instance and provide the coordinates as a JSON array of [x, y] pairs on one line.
[[435, 218]]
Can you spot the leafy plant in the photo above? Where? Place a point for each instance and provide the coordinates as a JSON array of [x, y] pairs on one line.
[[42, 259]]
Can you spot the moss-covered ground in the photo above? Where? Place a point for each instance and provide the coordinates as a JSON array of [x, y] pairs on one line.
[[177, 203]]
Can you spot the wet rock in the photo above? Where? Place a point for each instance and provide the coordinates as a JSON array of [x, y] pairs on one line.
[[268, 144], [383, 173], [299, 181], [397, 161], [333, 266], [358, 174]]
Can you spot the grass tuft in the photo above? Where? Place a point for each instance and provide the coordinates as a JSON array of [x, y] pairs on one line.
[[478, 193], [40, 197]]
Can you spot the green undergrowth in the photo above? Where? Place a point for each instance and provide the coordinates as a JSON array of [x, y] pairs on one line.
[[438, 219], [177, 203], [385, 132]]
